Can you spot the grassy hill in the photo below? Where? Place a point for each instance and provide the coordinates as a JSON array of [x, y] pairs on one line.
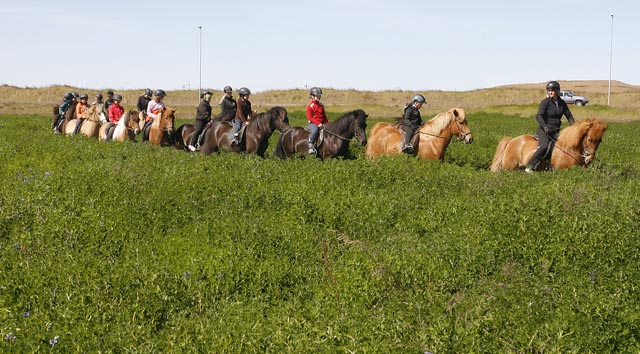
[[520, 99]]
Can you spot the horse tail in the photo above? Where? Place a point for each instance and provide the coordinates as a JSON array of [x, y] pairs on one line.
[[280, 148], [496, 163]]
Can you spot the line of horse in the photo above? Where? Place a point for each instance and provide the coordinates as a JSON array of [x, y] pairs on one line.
[[576, 144]]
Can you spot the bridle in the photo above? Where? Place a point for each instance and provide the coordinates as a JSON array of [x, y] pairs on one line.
[[461, 136], [585, 152]]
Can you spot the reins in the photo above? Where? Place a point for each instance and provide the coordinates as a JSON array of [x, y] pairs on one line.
[[584, 155]]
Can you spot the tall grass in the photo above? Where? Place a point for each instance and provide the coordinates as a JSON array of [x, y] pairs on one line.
[[109, 247]]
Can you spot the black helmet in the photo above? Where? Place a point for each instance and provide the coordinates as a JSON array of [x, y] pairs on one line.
[[148, 92], [553, 85], [99, 96], [110, 92], [117, 97], [243, 91], [84, 96], [159, 93], [68, 96], [227, 89], [418, 98], [205, 92], [75, 94], [315, 91]]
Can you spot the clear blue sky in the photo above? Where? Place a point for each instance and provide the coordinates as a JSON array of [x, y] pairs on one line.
[[275, 44]]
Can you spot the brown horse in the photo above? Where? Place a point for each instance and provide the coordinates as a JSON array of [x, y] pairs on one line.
[[576, 145], [127, 127], [256, 137], [160, 132], [335, 140], [90, 126], [431, 140], [59, 125], [182, 136]]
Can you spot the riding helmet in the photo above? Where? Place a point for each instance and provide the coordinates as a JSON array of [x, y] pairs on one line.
[[99, 96], [553, 85], [243, 91], [117, 97], [148, 92], [227, 89], [418, 98], [84, 96], [315, 91], [205, 92], [159, 93], [75, 94], [68, 96], [109, 93]]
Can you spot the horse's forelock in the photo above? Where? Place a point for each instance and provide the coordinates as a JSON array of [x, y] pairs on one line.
[[572, 136]]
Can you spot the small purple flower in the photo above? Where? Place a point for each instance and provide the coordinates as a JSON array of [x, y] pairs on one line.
[[26, 314], [54, 341]]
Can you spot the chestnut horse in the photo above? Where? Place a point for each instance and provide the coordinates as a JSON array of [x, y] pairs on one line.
[[90, 126], [431, 140], [127, 127], [335, 142], [160, 132], [576, 145], [256, 137]]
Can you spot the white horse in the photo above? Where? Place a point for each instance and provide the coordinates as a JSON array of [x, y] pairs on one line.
[[127, 127]]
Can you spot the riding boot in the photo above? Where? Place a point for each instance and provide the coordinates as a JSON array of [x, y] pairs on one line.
[[407, 147], [312, 148]]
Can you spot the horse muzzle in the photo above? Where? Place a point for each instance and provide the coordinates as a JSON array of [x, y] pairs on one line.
[[468, 138]]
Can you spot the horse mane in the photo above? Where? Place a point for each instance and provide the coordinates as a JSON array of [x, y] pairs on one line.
[[436, 124], [342, 124], [572, 136]]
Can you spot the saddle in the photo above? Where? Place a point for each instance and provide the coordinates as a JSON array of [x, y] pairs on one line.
[[320, 137], [241, 132], [110, 130]]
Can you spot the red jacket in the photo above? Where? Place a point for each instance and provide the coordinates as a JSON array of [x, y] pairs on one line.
[[115, 113], [315, 113]]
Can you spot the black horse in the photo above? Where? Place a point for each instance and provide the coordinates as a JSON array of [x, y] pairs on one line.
[[335, 140], [255, 140]]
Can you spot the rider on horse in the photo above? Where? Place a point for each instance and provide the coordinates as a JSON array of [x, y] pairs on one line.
[[153, 108], [243, 113], [82, 112], [411, 120], [67, 100], [143, 102], [227, 105], [550, 112], [203, 117], [116, 111], [316, 117]]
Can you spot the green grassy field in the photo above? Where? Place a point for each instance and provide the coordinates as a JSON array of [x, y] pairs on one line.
[[108, 247]]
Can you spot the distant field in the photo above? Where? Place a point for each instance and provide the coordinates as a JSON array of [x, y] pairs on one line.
[[513, 99], [108, 247]]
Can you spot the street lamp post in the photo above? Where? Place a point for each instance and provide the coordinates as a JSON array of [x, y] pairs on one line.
[[200, 86], [610, 61]]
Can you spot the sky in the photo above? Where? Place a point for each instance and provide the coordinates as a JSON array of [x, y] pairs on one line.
[[341, 44]]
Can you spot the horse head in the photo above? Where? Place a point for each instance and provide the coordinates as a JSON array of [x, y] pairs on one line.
[[167, 117], [280, 118], [592, 139], [133, 124], [360, 128], [461, 128]]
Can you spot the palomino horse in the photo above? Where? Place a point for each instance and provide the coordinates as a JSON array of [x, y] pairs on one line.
[[256, 137], [91, 125], [335, 142], [161, 130], [431, 140], [576, 145], [127, 127]]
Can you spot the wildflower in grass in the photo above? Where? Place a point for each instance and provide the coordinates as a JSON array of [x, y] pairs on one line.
[[26, 314], [10, 337], [53, 341], [47, 173]]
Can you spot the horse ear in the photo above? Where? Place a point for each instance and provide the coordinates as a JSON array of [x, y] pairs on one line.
[[455, 113]]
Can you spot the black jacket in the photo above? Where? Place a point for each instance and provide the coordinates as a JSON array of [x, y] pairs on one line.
[[550, 113], [204, 111], [412, 117], [143, 102]]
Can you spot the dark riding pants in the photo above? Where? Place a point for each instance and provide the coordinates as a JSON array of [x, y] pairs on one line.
[[78, 124], [546, 141], [408, 133], [199, 128]]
